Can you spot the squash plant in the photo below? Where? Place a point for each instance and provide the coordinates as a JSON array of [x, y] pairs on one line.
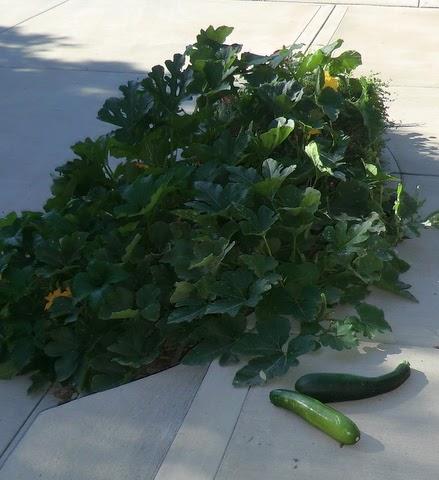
[[237, 201]]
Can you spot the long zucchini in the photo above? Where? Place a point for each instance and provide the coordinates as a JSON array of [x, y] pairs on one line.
[[339, 387], [321, 416]]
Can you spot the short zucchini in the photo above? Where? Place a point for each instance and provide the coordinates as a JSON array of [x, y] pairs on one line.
[[323, 417], [339, 387]]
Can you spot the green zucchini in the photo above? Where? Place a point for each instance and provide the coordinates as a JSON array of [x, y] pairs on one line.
[[321, 416], [339, 387]]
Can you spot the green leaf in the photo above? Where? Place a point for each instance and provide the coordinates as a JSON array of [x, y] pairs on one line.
[[147, 295], [301, 274], [142, 196], [214, 199], [372, 319], [310, 62], [258, 223], [230, 307], [321, 163], [206, 351], [137, 347], [302, 344], [66, 365], [352, 198], [301, 204], [271, 169], [273, 333], [217, 35], [405, 205], [126, 112], [61, 307], [390, 282], [306, 304], [277, 134], [245, 176], [348, 240], [331, 102], [328, 49], [209, 254], [183, 291], [274, 175], [218, 336], [8, 370], [343, 337], [261, 369], [187, 313], [346, 62], [259, 264], [63, 341]]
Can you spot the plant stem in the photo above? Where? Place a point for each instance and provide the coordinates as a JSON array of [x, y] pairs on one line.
[[268, 246]]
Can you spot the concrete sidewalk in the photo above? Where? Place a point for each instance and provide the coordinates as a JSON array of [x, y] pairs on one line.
[[58, 64]]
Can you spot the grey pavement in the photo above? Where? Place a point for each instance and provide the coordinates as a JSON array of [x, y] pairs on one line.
[[58, 62]]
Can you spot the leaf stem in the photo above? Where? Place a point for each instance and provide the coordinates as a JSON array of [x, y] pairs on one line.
[[268, 246]]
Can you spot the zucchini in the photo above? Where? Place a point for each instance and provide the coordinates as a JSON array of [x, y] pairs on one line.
[[339, 387], [321, 416]]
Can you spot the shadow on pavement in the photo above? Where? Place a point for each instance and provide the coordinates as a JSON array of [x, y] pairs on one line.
[[47, 106]]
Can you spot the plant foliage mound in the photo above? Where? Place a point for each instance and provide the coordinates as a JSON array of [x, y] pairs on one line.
[[239, 199]]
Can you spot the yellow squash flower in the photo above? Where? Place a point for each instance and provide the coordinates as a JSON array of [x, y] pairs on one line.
[[56, 294], [331, 82]]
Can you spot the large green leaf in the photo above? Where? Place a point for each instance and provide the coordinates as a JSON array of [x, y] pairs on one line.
[[274, 175], [261, 369], [258, 223], [126, 112], [187, 313], [372, 319], [331, 102], [342, 336], [217, 35], [306, 303], [345, 62], [214, 199], [273, 333], [279, 131], [259, 264]]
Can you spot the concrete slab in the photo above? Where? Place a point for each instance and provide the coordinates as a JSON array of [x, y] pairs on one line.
[[399, 429], [44, 113], [119, 434], [429, 3], [324, 35], [415, 140], [14, 194], [206, 429], [401, 46], [45, 402], [19, 11], [322, 15], [15, 408], [66, 37]]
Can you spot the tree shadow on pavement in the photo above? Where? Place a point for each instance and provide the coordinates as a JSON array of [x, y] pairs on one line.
[[47, 105]]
